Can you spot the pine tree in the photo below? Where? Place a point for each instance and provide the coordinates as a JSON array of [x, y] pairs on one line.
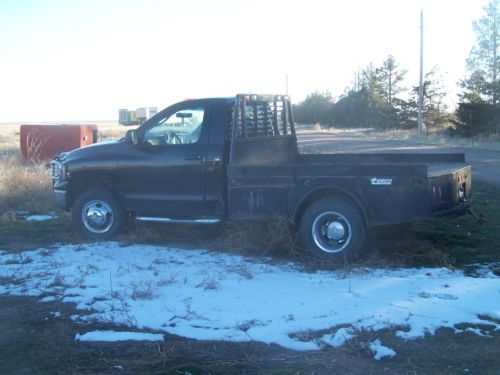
[[371, 82], [434, 107], [484, 59], [481, 88], [390, 79], [315, 108]]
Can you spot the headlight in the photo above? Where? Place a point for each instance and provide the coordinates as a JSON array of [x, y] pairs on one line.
[[55, 170], [59, 170]]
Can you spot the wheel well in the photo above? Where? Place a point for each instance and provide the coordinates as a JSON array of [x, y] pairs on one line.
[[324, 193], [79, 184]]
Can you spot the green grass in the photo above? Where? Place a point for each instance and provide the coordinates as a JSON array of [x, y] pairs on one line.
[[463, 238], [21, 233]]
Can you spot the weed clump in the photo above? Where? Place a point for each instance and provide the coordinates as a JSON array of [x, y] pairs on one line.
[[276, 238], [24, 187]]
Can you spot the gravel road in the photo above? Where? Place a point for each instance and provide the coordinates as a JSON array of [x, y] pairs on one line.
[[485, 163]]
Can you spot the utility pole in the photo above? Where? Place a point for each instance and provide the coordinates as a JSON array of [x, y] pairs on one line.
[[356, 80], [286, 83], [421, 86]]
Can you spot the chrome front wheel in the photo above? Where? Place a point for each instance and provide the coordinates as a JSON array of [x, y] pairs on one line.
[[97, 216], [98, 213]]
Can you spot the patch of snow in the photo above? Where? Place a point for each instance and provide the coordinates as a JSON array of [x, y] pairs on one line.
[[380, 351], [216, 296], [339, 338], [40, 217], [48, 299], [118, 336]]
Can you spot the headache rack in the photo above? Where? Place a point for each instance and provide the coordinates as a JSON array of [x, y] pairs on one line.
[[260, 116]]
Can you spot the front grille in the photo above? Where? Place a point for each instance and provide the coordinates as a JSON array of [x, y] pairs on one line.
[[56, 168]]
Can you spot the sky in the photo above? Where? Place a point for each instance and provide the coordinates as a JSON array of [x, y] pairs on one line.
[[79, 60]]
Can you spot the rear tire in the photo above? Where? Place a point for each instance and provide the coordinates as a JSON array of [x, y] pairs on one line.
[[334, 229], [98, 214]]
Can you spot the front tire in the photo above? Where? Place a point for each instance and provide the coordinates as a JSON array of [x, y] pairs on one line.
[[334, 229], [98, 214]]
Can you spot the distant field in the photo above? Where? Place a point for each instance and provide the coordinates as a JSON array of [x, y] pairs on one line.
[[9, 139]]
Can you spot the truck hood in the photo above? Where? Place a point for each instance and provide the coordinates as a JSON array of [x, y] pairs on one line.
[[103, 150], [97, 157]]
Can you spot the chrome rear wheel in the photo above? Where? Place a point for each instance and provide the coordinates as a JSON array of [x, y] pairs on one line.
[[331, 232], [333, 228]]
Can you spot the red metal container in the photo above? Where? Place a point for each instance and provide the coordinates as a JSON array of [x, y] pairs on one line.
[[43, 142]]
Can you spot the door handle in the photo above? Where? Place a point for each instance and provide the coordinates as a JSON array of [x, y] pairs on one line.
[[216, 162], [193, 157]]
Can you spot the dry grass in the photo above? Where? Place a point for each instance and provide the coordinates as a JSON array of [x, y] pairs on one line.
[[109, 132], [9, 140], [24, 187], [142, 290], [275, 238]]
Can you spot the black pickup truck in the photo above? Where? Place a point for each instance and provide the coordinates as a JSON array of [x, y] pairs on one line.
[[210, 160]]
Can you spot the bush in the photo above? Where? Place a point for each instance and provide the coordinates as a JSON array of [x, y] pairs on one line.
[[24, 187], [475, 119]]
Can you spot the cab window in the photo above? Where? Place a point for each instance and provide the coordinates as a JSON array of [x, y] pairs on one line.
[[182, 127]]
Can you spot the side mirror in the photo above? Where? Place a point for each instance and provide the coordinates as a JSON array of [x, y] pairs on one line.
[[131, 137]]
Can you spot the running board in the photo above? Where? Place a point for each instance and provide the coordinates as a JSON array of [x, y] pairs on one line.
[[177, 221]]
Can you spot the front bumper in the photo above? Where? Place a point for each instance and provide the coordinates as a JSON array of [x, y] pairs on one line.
[[60, 193], [60, 198]]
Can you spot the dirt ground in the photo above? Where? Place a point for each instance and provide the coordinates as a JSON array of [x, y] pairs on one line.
[[33, 341]]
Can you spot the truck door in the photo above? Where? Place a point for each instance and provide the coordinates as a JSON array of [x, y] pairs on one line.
[[171, 157], [215, 177]]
